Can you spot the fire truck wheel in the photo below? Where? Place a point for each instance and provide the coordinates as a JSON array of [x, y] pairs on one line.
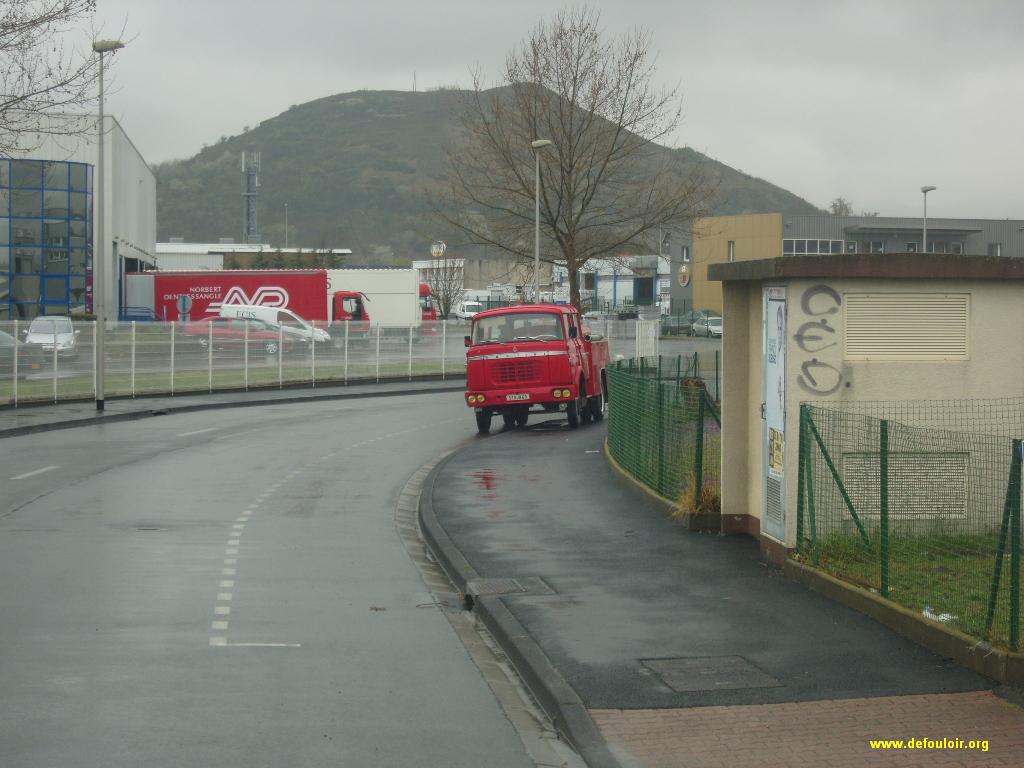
[[596, 406], [483, 422], [522, 418], [572, 412], [509, 419]]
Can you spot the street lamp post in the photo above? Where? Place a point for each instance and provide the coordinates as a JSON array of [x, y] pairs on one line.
[[99, 258], [924, 228], [286, 226], [537, 145]]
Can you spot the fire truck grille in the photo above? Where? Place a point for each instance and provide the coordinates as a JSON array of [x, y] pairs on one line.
[[525, 371]]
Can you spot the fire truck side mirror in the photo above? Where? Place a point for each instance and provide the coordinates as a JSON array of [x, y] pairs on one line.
[[469, 342]]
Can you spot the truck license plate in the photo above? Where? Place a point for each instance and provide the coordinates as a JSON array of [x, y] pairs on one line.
[[522, 396]]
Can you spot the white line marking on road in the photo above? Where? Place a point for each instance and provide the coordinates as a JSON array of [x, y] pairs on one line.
[[227, 571], [243, 519], [239, 526], [34, 472], [218, 641], [230, 561], [221, 610], [218, 625], [197, 432], [263, 645], [227, 583], [233, 542], [224, 596], [231, 551], [592, 451]]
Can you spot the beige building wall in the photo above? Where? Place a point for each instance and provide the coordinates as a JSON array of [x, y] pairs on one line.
[[755, 236], [479, 274], [994, 368]]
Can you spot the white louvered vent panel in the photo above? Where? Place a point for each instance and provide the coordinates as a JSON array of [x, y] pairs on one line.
[[773, 491], [906, 326], [922, 486]]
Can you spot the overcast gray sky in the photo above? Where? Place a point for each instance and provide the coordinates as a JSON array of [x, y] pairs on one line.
[[863, 99]]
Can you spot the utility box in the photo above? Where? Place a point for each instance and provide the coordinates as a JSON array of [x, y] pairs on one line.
[[844, 329]]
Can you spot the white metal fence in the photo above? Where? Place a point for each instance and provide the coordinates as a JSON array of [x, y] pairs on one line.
[[148, 358]]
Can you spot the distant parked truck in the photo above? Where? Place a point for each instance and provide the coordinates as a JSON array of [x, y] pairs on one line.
[[392, 295], [534, 357]]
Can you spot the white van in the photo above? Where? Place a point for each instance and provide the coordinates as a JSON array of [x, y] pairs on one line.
[[290, 323], [468, 309]]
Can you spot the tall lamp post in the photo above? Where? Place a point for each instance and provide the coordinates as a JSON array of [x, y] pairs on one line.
[[286, 226], [99, 250], [537, 145], [924, 229]]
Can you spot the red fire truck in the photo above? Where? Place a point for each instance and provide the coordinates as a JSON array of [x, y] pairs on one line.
[[534, 357]]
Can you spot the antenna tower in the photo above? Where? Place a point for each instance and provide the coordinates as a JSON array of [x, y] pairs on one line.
[[250, 196]]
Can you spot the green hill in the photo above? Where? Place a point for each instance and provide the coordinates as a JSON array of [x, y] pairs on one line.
[[353, 169]]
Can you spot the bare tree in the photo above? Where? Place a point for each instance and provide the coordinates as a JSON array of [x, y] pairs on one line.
[[46, 80], [606, 185], [841, 207], [446, 280]]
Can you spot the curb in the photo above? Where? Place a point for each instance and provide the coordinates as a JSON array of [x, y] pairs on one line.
[[176, 409], [555, 696], [1004, 666]]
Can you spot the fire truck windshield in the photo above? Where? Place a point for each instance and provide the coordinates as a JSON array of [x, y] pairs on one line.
[[519, 326]]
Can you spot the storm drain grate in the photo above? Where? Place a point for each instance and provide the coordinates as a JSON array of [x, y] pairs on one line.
[[710, 673], [533, 585]]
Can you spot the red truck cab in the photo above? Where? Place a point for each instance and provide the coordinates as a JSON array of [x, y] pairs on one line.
[[427, 303], [534, 357]]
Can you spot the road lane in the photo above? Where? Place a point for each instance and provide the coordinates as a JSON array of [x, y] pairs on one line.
[[121, 568]]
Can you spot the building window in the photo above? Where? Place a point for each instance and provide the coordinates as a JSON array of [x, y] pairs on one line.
[[934, 247], [995, 249], [788, 247], [912, 247], [851, 246], [45, 237], [732, 250], [957, 248]]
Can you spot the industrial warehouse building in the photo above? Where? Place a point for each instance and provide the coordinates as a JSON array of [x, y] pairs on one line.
[[47, 217]]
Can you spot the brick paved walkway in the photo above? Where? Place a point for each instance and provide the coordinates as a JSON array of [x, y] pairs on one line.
[[818, 734]]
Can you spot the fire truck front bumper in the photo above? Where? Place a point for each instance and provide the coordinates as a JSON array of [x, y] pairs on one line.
[[516, 399]]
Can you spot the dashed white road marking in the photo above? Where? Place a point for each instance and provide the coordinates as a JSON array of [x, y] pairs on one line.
[[224, 596], [233, 542], [262, 645], [238, 526], [218, 641], [222, 610], [227, 583], [218, 625], [227, 571], [231, 551], [242, 519], [230, 561], [197, 432], [34, 472]]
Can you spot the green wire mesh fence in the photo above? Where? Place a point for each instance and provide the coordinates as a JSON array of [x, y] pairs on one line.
[[920, 501], [665, 429]]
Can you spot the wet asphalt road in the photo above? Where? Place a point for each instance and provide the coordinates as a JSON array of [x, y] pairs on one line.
[[227, 588]]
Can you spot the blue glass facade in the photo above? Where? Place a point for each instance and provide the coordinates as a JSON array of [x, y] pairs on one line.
[[45, 238]]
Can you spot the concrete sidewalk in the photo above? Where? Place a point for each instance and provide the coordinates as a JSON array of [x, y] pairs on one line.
[[41, 418], [653, 646]]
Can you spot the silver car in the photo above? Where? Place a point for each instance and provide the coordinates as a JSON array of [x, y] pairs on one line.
[[43, 331]]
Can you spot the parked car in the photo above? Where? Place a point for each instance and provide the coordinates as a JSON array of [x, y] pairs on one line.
[[30, 357], [708, 326], [45, 329], [229, 333], [468, 309]]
